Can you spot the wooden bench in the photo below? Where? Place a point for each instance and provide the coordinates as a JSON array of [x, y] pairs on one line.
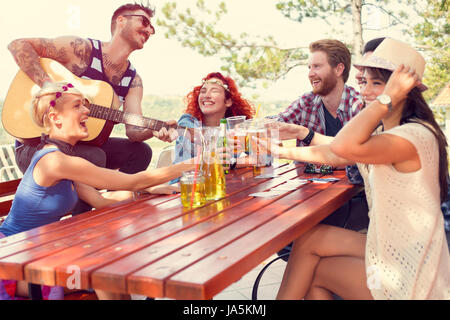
[[7, 191], [8, 166]]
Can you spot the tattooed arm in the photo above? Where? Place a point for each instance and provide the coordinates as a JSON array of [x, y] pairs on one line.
[[72, 52], [132, 104]]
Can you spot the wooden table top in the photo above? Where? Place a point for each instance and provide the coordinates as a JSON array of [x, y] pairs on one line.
[[157, 248]]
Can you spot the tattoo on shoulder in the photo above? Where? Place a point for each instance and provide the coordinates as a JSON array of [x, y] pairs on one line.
[[137, 82], [48, 48], [82, 50]]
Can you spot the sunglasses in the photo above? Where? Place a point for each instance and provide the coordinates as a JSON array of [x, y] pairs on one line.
[[145, 21], [323, 169]]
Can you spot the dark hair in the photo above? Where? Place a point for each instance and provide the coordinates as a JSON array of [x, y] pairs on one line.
[[371, 45], [130, 7], [336, 51], [417, 110]]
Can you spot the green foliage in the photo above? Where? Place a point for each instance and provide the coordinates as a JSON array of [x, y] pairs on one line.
[[248, 59], [439, 113], [302, 9]]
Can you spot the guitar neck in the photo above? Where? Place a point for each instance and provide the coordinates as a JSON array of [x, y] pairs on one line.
[[118, 116]]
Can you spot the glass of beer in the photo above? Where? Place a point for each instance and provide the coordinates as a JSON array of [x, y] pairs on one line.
[[236, 132], [212, 168], [273, 136], [187, 188], [215, 185]]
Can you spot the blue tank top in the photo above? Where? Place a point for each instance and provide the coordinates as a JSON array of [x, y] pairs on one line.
[[34, 205], [95, 72]]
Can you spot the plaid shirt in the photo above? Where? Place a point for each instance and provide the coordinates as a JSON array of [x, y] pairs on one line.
[[308, 110]]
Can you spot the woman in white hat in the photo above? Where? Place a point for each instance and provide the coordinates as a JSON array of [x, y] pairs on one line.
[[401, 153]]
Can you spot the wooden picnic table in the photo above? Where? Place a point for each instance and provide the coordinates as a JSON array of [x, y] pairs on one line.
[[157, 248]]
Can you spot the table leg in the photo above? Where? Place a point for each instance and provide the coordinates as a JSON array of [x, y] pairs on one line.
[[34, 291]]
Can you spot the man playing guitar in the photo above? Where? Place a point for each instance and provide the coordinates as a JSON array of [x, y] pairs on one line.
[[106, 61]]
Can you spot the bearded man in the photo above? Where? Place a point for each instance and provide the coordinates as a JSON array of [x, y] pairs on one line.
[[331, 104], [317, 116]]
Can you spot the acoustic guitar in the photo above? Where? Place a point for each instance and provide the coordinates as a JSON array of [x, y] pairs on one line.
[[104, 107]]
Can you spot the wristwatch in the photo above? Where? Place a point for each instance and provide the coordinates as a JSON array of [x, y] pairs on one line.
[[386, 100]]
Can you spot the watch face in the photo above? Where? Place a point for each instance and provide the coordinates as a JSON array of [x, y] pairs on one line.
[[384, 99]]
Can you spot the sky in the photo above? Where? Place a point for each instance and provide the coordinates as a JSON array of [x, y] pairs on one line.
[[164, 65]]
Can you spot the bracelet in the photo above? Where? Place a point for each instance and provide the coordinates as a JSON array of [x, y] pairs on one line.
[[307, 140]]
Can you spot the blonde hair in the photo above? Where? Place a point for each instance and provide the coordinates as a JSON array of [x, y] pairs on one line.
[[41, 104]]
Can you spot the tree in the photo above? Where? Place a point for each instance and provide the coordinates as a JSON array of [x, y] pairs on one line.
[[433, 37], [249, 58], [336, 13]]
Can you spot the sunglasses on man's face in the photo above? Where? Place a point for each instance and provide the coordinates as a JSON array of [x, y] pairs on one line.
[[144, 20]]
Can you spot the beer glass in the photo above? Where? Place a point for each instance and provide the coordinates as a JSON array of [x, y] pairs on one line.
[[258, 157], [236, 132], [187, 187], [212, 169]]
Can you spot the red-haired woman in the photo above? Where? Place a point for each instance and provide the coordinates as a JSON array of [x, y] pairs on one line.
[[216, 98]]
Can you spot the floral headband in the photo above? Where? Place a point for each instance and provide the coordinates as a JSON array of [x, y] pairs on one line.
[[218, 82], [59, 93], [57, 96]]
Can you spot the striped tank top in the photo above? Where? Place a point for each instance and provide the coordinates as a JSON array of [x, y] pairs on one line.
[[95, 72]]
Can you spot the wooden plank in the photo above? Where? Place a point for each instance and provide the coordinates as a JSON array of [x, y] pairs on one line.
[[39, 272], [82, 220], [96, 214], [9, 187], [209, 276], [5, 206], [150, 280], [153, 243], [43, 270], [16, 255]]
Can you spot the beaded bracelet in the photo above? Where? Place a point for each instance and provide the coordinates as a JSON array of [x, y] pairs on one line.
[[307, 140]]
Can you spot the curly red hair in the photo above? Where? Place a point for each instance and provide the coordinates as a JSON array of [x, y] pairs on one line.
[[240, 106]]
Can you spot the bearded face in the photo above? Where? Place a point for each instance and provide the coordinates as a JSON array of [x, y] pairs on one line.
[[137, 29], [321, 75]]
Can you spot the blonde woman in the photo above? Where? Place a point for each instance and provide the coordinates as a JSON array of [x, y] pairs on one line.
[[55, 179]]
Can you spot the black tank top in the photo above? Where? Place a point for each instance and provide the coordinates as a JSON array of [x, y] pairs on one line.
[[95, 72]]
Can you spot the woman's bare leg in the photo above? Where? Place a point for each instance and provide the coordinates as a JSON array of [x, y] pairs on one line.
[[344, 276], [22, 289], [318, 293], [321, 241]]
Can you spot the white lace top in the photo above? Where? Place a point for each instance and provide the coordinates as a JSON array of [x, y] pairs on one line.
[[407, 256]]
